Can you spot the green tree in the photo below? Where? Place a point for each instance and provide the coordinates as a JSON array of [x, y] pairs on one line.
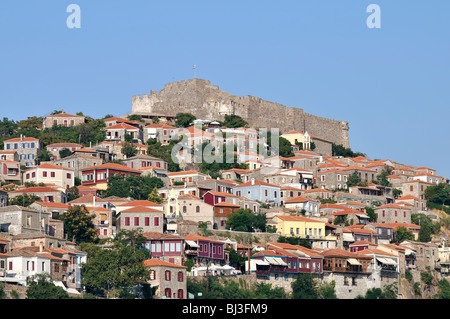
[[295, 240], [184, 119], [163, 152], [44, 155], [135, 117], [154, 196], [438, 194], [304, 287], [444, 289], [73, 193], [41, 286], [137, 187], [115, 271], [402, 233], [65, 152], [78, 224], [240, 220], [24, 200], [129, 149], [326, 290], [371, 213], [353, 180], [339, 150], [234, 121], [283, 149]]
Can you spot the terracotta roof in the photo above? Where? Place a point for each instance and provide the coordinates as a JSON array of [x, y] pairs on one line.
[[184, 173], [112, 166], [121, 126], [24, 139], [198, 237], [299, 219], [299, 199], [64, 145], [50, 166], [64, 114], [141, 209], [158, 262], [141, 202], [37, 189], [225, 204], [221, 194], [391, 206]]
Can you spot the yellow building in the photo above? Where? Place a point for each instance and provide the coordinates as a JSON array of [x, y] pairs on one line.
[[300, 226], [298, 137]]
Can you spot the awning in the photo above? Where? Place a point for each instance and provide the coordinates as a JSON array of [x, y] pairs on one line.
[[353, 261], [275, 261], [191, 243], [260, 262], [348, 237], [387, 261], [362, 216]]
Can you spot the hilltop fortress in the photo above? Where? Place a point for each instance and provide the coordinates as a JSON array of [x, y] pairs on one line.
[[205, 101]]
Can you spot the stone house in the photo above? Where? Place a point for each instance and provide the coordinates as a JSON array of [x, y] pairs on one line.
[[428, 177], [288, 192], [55, 209], [365, 174], [26, 147], [332, 179], [192, 189], [427, 254], [219, 185], [64, 119], [318, 193], [77, 162], [16, 220], [98, 175], [163, 133], [50, 174], [393, 213], [103, 221], [418, 205], [46, 194], [188, 207], [299, 203], [186, 177], [118, 132], [149, 219], [169, 279], [143, 161], [55, 148], [351, 272]]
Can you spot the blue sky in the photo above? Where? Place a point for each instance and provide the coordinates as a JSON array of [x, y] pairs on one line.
[[391, 84]]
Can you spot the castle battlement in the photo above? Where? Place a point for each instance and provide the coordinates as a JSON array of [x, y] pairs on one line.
[[206, 101]]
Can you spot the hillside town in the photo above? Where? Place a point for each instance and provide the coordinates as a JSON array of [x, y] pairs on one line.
[[75, 189]]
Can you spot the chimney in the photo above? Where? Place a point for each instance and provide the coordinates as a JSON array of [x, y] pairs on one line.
[[21, 137], [253, 181], [41, 247]]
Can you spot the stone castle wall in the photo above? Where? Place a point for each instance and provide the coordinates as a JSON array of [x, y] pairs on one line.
[[206, 101]]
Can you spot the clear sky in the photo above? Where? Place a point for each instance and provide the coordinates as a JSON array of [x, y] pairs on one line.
[[391, 84]]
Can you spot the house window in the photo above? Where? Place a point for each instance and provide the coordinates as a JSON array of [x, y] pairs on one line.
[[136, 221], [180, 293], [52, 174], [167, 275], [127, 221], [180, 276], [168, 292], [152, 275], [156, 221], [147, 221]]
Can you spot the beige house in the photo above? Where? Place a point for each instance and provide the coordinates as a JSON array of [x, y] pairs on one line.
[[168, 279], [27, 149], [63, 119], [50, 174], [103, 221], [188, 207]]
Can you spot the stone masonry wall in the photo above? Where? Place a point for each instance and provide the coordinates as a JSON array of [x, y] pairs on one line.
[[205, 101]]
